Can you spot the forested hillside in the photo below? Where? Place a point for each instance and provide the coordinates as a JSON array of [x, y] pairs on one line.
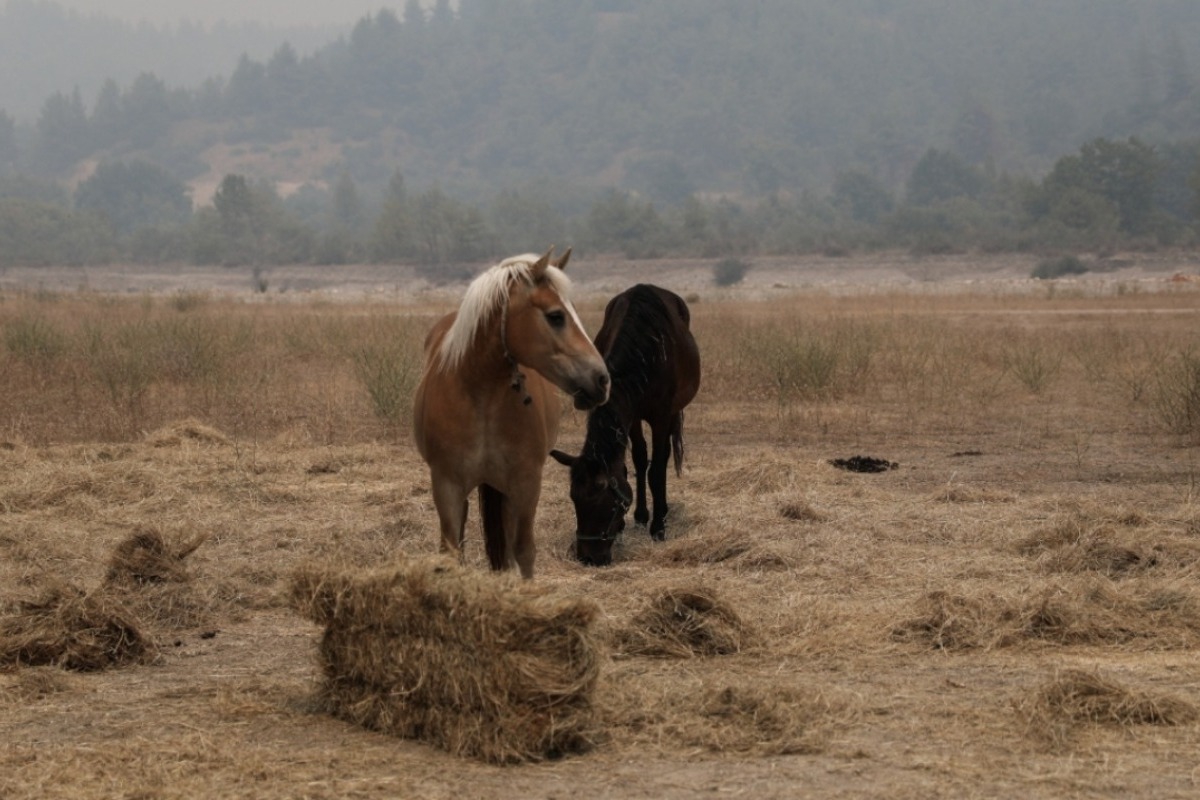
[[856, 121]]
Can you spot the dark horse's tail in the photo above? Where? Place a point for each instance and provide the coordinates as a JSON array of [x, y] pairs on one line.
[[677, 444], [491, 510]]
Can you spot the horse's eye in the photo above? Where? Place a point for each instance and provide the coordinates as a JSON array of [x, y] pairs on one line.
[[556, 319]]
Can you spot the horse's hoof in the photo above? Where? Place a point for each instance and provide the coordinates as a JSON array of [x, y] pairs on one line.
[[659, 535], [641, 516]]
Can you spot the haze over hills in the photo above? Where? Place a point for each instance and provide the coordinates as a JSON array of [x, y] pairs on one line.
[[268, 13], [46, 47], [807, 116], [725, 97]]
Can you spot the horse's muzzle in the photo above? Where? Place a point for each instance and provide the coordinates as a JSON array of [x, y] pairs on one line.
[[593, 393]]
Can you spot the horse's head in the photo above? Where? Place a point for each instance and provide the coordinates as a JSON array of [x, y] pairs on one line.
[[601, 496], [544, 332]]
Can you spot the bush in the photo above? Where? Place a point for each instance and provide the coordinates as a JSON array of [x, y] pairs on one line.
[[388, 363], [729, 271], [1058, 267], [34, 341], [1177, 399]]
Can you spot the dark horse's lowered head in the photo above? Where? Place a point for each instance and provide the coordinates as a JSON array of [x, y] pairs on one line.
[[654, 366]]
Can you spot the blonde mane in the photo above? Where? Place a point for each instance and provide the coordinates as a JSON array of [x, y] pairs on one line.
[[486, 295]]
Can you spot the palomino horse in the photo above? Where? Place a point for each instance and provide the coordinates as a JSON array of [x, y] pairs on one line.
[[486, 410], [655, 369]]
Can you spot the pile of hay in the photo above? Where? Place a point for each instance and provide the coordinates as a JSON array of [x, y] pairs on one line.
[[1077, 544], [736, 549], [188, 430], [69, 628], [1076, 697], [749, 719], [1087, 612], [682, 623], [151, 577], [713, 548], [146, 587], [145, 557], [476, 664], [757, 719]]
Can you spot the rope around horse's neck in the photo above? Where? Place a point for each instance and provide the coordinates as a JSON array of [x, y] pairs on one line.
[[518, 377]]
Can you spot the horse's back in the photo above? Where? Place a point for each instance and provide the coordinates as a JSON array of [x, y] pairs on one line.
[[647, 312]]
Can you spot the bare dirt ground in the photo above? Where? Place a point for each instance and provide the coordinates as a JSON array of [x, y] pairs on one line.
[[913, 621]]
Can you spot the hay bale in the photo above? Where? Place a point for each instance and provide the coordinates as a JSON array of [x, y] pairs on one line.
[[69, 628], [682, 623], [476, 664], [1077, 697]]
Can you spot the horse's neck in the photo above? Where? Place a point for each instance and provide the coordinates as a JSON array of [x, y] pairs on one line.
[[608, 432], [484, 363]]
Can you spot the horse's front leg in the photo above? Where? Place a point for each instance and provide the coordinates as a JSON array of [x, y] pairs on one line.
[[450, 500], [658, 479], [637, 447]]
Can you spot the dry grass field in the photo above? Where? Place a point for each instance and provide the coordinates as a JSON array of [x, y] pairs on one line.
[[1013, 610]]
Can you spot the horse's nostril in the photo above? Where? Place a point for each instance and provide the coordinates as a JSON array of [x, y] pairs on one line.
[[602, 380]]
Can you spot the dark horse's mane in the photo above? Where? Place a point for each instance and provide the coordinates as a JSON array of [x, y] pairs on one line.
[[638, 351]]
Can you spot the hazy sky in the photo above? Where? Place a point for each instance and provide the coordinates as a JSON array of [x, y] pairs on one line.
[[280, 12]]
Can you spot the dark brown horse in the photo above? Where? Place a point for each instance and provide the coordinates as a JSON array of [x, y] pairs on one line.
[[514, 330], [654, 366]]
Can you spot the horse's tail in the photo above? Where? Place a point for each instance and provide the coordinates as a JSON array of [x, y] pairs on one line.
[[491, 511], [677, 444]]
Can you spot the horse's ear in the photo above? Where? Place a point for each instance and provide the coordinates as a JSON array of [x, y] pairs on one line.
[[563, 458], [538, 270], [562, 262]]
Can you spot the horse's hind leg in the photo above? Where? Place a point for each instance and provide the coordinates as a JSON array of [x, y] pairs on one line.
[[523, 547], [637, 448], [451, 503], [661, 436]]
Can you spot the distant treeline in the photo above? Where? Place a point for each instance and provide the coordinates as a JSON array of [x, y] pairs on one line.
[[1111, 194], [698, 127]]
